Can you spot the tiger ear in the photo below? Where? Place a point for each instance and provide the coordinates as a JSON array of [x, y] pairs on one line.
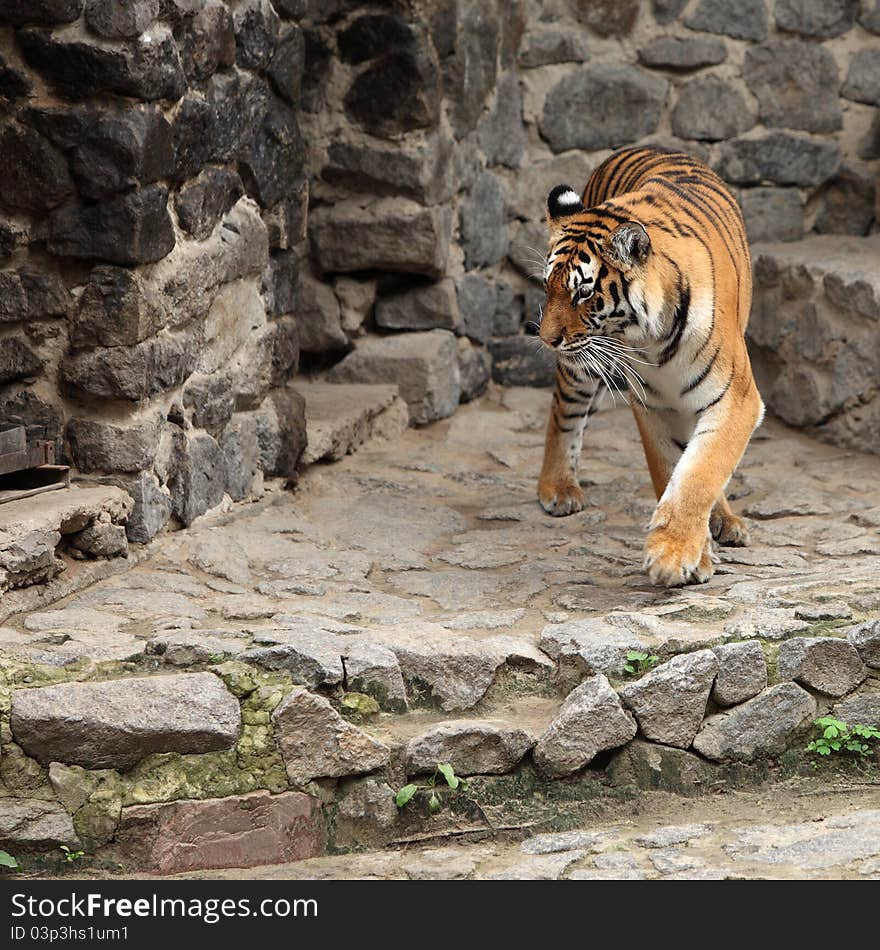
[[628, 245], [562, 202]]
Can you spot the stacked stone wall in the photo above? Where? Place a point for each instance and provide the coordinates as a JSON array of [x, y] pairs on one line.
[[437, 130], [151, 204]]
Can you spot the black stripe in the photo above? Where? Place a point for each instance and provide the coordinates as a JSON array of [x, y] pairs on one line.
[[679, 322], [691, 386], [720, 395]]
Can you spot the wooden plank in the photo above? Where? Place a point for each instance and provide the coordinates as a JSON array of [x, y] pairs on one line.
[[43, 453]]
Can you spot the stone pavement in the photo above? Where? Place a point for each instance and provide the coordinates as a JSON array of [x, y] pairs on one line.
[[786, 833], [422, 571]]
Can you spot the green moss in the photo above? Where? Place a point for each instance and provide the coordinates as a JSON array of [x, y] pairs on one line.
[[254, 762]]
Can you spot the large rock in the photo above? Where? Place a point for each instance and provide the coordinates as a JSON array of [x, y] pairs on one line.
[[865, 637], [388, 234], [625, 104], [848, 203], [197, 479], [120, 20], [316, 742], [318, 318], [18, 360], [373, 669], [483, 223], [237, 831], [745, 20], [420, 170], [710, 109], [471, 746], [430, 307], [590, 720], [477, 299], [742, 672], [288, 64], [116, 308], [502, 134], [340, 417], [669, 702], [147, 67], [398, 93], [201, 203], [454, 672], [772, 214], [863, 709], [132, 372], [819, 18], [33, 173], [682, 52], [131, 228], [114, 148], [796, 85], [826, 664], [543, 46], [116, 723], [780, 157], [44, 12], [99, 446], [607, 17], [207, 42], [470, 72], [475, 369], [28, 824], [810, 304], [240, 445], [152, 507], [863, 77], [423, 365], [29, 295], [519, 361], [760, 727], [257, 27], [600, 644], [274, 154]]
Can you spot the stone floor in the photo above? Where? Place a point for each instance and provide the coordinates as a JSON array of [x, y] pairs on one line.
[[433, 541], [789, 832]]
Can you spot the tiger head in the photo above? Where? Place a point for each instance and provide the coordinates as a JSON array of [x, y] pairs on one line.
[[594, 259]]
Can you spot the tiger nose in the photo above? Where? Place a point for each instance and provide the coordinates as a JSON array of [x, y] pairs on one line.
[[555, 342]]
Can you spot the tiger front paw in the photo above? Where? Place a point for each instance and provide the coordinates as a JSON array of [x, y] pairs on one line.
[[564, 498], [729, 529], [673, 559]]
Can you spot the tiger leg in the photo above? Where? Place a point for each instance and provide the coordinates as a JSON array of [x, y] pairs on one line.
[[677, 550], [558, 488], [662, 453]]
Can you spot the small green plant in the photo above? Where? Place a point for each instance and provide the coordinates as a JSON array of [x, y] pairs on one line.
[[835, 736], [638, 662], [431, 789], [71, 856], [8, 862]]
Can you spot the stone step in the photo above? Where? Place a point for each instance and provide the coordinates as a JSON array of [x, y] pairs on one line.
[[813, 334], [342, 416], [35, 532]]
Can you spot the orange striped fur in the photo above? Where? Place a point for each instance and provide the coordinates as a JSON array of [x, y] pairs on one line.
[[648, 281]]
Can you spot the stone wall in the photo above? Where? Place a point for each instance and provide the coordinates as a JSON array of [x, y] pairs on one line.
[[437, 130], [151, 202]]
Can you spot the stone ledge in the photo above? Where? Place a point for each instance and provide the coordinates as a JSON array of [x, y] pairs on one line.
[[340, 417], [31, 530]]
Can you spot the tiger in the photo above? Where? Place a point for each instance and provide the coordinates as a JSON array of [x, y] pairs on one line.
[[648, 286]]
